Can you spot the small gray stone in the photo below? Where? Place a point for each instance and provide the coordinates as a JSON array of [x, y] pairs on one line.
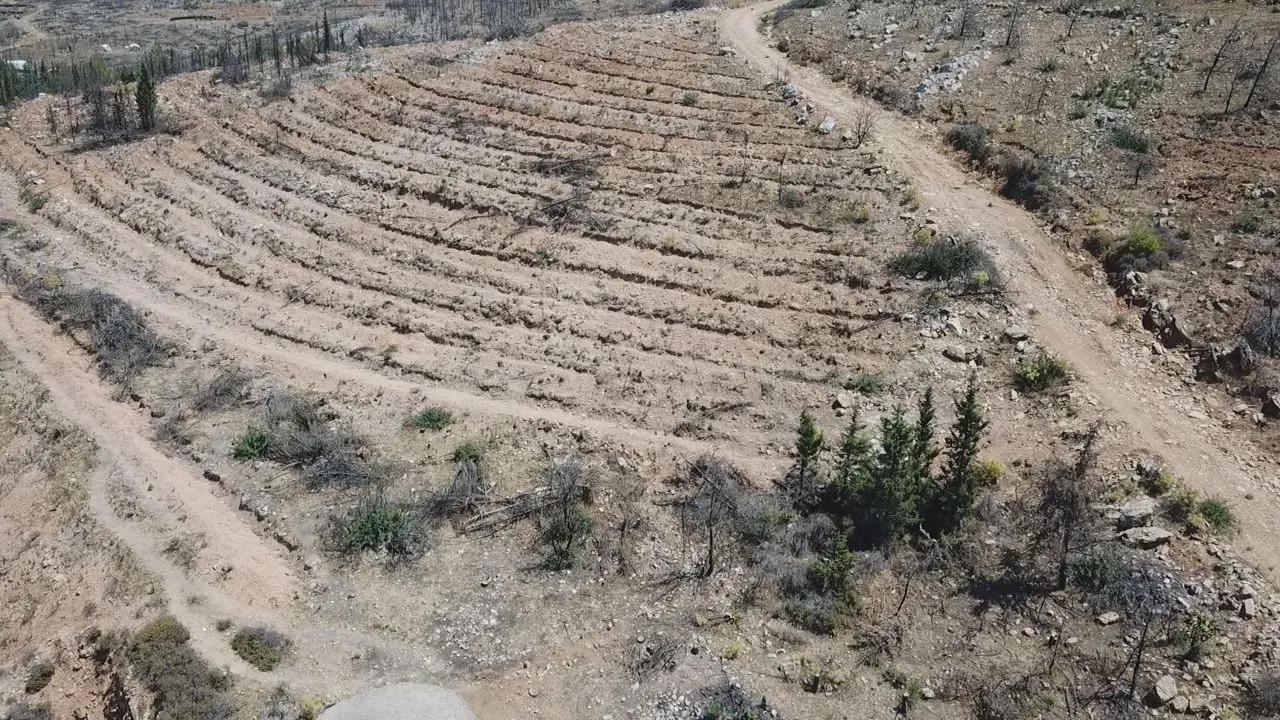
[[1108, 618], [1016, 333]]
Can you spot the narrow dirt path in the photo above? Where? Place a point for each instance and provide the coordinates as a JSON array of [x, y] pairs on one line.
[[171, 499], [1073, 311]]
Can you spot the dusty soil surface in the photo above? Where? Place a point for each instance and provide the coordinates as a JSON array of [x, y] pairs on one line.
[[609, 240], [402, 701]]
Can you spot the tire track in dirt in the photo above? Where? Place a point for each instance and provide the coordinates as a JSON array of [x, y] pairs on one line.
[[173, 498], [1073, 312]]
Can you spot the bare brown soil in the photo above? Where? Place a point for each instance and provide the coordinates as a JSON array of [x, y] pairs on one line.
[[608, 240]]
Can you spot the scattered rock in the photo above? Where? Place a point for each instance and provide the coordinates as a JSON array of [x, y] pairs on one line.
[[1180, 704], [828, 124], [1016, 333], [1108, 618], [1146, 537], [1131, 514], [1165, 691], [843, 401], [1249, 609], [956, 353]]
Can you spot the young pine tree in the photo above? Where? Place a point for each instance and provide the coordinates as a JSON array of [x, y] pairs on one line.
[[145, 95], [889, 508], [959, 487], [855, 460], [808, 453]]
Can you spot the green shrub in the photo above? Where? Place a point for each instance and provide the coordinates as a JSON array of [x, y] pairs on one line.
[[952, 261], [1198, 629], [865, 383], [1200, 514], [1182, 505], [1041, 372], [261, 647], [1248, 223], [1142, 249], [432, 418], [1049, 65], [689, 99], [565, 525], [988, 472], [469, 451], [375, 524], [861, 214], [1029, 182], [1095, 572], [971, 139], [1126, 138], [1217, 513], [1143, 240], [251, 445], [38, 677], [1155, 480], [183, 684]]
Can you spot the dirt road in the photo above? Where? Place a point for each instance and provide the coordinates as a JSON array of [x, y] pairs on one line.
[[1073, 311]]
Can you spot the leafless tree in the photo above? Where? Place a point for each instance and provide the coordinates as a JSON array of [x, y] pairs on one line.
[[864, 123], [1066, 520], [1142, 164], [1012, 33], [1242, 72], [1073, 9], [712, 505], [1260, 76], [967, 20], [1232, 37]]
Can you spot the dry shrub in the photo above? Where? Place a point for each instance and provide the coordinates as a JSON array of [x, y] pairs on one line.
[[113, 330], [226, 388]]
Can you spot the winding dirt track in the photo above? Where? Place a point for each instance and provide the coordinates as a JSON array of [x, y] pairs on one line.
[[1073, 311]]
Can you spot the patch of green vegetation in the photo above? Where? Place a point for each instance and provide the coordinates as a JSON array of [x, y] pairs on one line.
[[865, 383], [1126, 92], [1041, 372], [432, 418], [183, 684], [689, 99], [971, 139], [469, 451], [959, 263], [1096, 571], [376, 524], [1248, 223], [1127, 138], [261, 647], [1200, 514], [252, 444], [1049, 65]]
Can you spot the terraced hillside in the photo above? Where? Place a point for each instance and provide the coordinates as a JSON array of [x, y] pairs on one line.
[[567, 226]]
